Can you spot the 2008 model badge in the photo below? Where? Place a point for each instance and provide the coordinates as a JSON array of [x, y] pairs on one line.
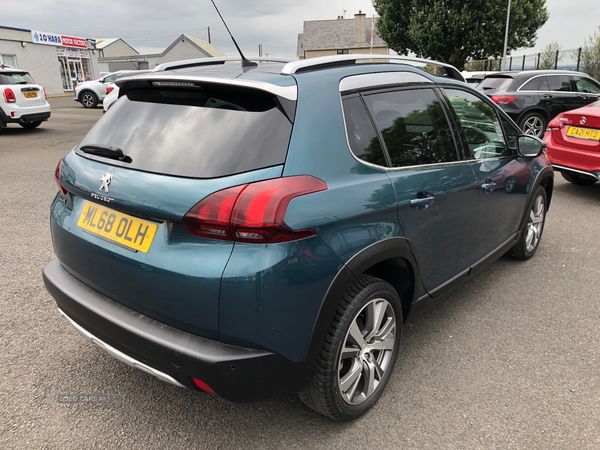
[[106, 179]]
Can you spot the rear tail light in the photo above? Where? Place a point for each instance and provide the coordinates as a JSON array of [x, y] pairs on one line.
[[503, 99], [109, 89], [558, 123], [57, 176], [45, 95], [9, 96], [251, 212]]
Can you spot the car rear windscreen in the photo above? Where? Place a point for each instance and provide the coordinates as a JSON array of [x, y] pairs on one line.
[[202, 132], [16, 78], [495, 83]]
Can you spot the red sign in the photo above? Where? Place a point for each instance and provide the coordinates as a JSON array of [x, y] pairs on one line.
[[70, 41]]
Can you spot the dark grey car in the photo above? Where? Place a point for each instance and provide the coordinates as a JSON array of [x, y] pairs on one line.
[[533, 98]]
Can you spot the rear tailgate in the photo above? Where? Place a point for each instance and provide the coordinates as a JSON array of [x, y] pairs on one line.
[[119, 227], [26, 92]]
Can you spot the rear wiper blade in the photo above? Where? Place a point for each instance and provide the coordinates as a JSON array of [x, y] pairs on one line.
[[106, 152]]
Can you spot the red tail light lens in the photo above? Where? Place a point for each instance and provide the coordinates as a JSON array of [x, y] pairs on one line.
[[109, 89], [251, 212], [558, 123], [57, 177], [503, 99], [9, 96], [45, 95]]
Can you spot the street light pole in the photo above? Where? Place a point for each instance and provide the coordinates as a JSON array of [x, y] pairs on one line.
[[506, 36]]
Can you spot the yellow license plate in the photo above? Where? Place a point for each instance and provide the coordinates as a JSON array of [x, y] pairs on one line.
[[584, 133], [128, 231], [30, 94]]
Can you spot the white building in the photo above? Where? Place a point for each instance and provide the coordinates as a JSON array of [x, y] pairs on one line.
[[55, 61]]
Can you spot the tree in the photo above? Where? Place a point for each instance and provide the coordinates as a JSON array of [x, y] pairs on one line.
[[590, 55], [455, 31], [548, 56]]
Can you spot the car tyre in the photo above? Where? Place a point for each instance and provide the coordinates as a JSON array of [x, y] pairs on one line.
[[89, 99], [359, 352], [533, 124], [532, 230], [578, 178], [30, 125]]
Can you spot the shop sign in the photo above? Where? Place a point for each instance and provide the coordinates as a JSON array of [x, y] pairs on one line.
[[72, 52], [41, 37]]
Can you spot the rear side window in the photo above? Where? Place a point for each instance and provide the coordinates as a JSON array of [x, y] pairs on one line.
[[199, 133], [414, 127], [16, 78], [495, 83], [560, 83], [536, 84], [362, 135]]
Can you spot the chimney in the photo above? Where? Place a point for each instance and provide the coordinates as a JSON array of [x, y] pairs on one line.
[[360, 30]]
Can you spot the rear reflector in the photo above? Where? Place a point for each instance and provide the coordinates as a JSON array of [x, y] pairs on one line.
[[203, 386], [251, 212], [503, 99], [9, 96]]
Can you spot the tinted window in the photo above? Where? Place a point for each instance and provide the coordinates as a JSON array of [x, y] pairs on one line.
[[559, 83], [587, 85], [413, 126], [16, 78], [479, 123], [201, 133], [536, 84], [495, 83], [362, 136]]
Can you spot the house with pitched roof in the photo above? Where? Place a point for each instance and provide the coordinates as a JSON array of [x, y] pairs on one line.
[[340, 36], [107, 47], [184, 47]]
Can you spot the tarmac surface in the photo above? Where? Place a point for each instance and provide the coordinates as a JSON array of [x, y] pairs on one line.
[[510, 362]]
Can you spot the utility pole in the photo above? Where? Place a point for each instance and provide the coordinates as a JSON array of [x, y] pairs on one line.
[[506, 35], [209, 35]]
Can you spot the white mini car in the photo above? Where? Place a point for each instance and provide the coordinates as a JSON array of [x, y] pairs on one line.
[[21, 100]]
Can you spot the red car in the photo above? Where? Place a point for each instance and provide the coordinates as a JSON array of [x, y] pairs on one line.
[[573, 140]]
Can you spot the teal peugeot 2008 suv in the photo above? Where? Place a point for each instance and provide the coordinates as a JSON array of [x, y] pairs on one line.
[[257, 231]]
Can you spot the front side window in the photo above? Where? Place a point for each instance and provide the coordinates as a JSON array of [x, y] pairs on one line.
[[480, 125], [413, 126], [586, 85]]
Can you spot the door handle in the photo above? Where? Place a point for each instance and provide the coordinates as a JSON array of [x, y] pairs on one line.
[[547, 96], [422, 202], [488, 186]]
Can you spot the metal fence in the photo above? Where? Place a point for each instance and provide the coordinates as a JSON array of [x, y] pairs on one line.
[[560, 59]]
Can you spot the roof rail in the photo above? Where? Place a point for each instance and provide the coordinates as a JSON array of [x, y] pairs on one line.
[[324, 62], [199, 62]]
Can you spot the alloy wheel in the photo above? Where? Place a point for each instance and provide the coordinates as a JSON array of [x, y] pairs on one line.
[[535, 224], [534, 126], [367, 351]]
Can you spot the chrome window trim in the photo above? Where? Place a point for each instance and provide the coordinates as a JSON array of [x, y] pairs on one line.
[[132, 362], [288, 92], [380, 80]]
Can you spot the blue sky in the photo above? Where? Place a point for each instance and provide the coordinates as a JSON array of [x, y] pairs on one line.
[[151, 25]]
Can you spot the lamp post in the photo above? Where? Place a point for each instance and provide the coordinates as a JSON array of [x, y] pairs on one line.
[[506, 35]]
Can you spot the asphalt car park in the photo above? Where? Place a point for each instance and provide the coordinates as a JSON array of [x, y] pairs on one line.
[[510, 361]]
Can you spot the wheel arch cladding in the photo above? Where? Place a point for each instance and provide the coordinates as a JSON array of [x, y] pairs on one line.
[[392, 260]]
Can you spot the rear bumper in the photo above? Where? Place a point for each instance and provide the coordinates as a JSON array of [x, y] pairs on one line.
[[582, 161], [23, 115], [235, 373]]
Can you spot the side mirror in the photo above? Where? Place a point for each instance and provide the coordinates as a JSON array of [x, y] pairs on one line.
[[530, 146]]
